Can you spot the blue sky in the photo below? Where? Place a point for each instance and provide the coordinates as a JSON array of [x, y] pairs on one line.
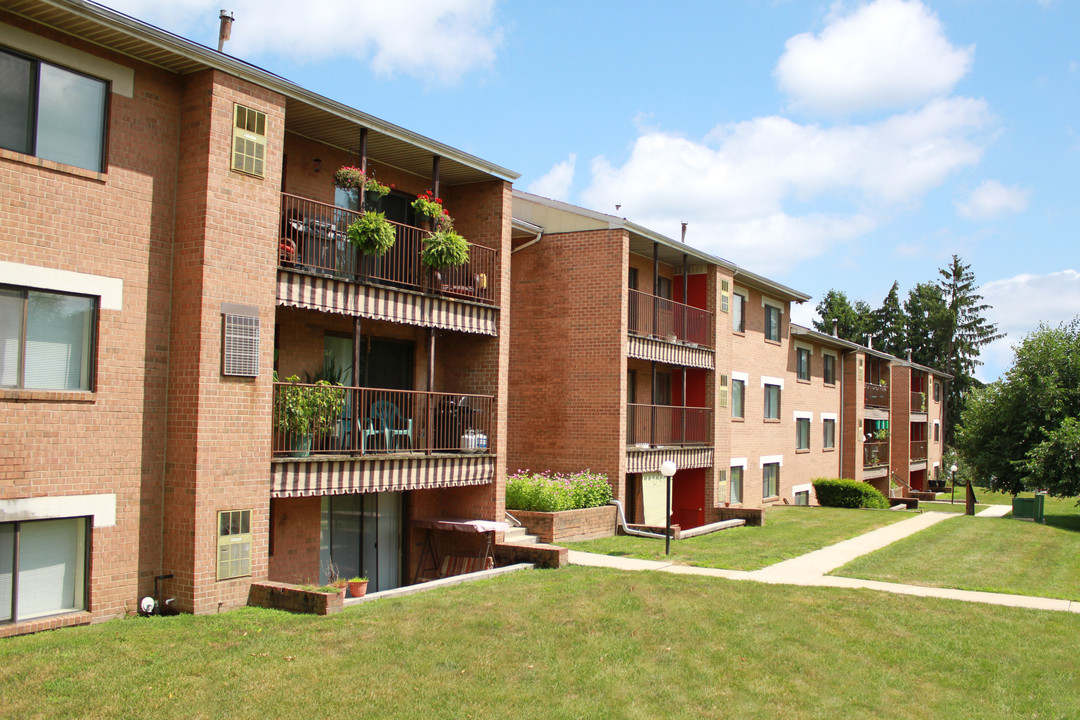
[[825, 144]]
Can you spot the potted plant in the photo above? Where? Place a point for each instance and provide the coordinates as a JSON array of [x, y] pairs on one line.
[[293, 411], [372, 234], [881, 434], [430, 206], [358, 586]]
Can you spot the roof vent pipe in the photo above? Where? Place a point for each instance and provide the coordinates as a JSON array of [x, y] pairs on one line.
[[684, 232], [909, 354], [835, 327], [226, 28]]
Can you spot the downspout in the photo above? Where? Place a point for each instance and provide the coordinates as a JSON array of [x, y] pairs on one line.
[[531, 242], [626, 528]]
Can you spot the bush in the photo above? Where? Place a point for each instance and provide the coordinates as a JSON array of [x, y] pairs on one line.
[[845, 493], [544, 492]]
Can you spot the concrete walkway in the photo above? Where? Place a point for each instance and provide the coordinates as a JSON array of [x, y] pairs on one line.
[[995, 511], [811, 569]]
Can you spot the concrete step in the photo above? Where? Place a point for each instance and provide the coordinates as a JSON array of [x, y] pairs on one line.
[[519, 536]]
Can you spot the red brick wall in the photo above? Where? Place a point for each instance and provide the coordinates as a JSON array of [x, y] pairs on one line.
[[119, 225], [569, 525], [568, 355], [295, 531]]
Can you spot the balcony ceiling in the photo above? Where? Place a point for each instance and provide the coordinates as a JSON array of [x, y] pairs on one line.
[[307, 113]]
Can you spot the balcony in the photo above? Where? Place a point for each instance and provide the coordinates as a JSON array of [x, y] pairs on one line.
[[658, 317], [314, 240], [918, 450], [667, 425], [876, 396], [335, 420], [875, 454], [918, 402]]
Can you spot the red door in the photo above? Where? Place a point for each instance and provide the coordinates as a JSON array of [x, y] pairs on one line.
[[688, 498]]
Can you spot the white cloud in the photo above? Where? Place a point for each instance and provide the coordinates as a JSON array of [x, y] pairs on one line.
[[738, 185], [555, 184], [887, 54], [1019, 304], [992, 199], [435, 40]]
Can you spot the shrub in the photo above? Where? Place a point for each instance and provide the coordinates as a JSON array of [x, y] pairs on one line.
[[544, 492], [846, 493]]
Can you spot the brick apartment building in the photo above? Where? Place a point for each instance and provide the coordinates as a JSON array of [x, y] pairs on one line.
[[172, 236], [629, 348]]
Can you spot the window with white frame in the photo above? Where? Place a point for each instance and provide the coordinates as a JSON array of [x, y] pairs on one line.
[[234, 544], [802, 363], [738, 312], [828, 433], [937, 391], [937, 431], [736, 484], [772, 402], [52, 112], [770, 480], [828, 368], [802, 433], [42, 568], [46, 339]]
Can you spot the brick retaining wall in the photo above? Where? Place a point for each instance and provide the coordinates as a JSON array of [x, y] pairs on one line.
[[569, 525]]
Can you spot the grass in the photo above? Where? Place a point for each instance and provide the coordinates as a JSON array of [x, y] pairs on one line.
[[991, 554], [981, 495], [958, 507], [571, 643], [788, 532]]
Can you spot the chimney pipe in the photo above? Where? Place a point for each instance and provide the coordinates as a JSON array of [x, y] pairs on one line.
[[684, 232], [870, 341], [909, 354], [835, 327], [226, 28]]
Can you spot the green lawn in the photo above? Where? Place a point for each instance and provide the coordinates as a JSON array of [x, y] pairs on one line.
[[571, 643], [788, 532], [983, 496], [993, 554], [957, 507]]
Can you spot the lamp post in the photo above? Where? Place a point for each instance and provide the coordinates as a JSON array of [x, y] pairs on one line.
[[667, 469], [953, 471]]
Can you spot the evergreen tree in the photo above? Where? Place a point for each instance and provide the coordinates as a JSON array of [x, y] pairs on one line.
[[926, 324], [887, 324], [966, 332], [853, 320]]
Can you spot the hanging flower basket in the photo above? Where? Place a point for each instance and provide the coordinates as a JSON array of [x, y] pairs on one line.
[[444, 248], [351, 177], [372, 233]]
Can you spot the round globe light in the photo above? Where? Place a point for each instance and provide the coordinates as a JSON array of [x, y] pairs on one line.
[[954, 468], [668, 468]]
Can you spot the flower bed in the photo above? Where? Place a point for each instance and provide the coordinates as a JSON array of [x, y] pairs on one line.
[[561, 507]]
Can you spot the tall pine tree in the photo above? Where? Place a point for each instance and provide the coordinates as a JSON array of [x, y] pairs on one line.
[[887, 324]]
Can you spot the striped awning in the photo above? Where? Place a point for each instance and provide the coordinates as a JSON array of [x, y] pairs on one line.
[[671, 353], [648, 461], [306, 478], [328, 294]]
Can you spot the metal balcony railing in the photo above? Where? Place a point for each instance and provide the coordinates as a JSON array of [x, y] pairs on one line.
[[918, 402], [314, 239], [337, 420], [875, 454], [876, 395], [656, 425], [658, 317], [918, 450]]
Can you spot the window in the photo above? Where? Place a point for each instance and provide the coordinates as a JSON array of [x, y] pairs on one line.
[[772, 323], [663, 288], [738, 396], [662, 391], [42, 568], [234, 544], [937, 391], [828, 439], [736, 484], [802, 433], [937, 432], [802, 363], [802, 497], [249, 140], [738, 313], [828, 367], [772, 402], [770, 480], [725, 296], [722, 400], [631, 386], [51, 112], [46, 339], [632, 281]]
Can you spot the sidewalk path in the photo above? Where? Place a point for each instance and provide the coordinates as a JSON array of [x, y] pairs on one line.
[[995, 511], [810, 569]]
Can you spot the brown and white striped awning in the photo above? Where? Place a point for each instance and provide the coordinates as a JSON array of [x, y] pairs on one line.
[[328, 294], [671, 353], [648, 461], [306, 478]]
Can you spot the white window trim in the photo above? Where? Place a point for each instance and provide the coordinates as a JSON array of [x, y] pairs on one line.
[[109, 290], [803, 415], [774, 303], [805, 346], [766, 380], [745, 377], [102, 508], [828, 416], [769, 459], [796, 489], [737, 462]]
